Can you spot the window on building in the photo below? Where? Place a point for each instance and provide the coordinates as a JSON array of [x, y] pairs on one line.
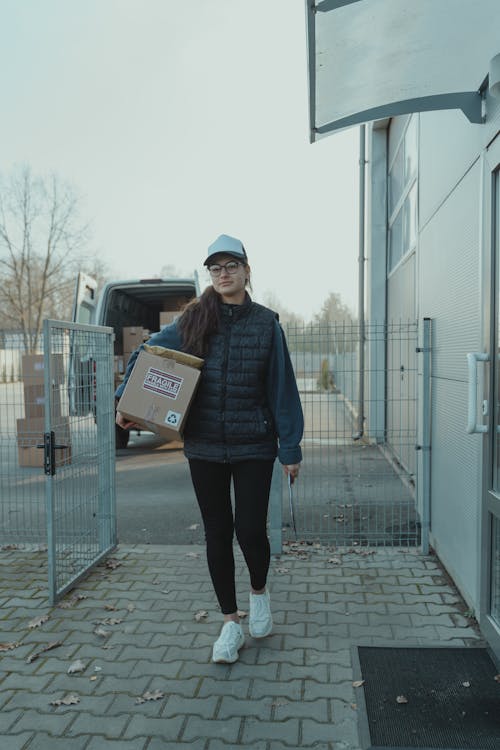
[[402, 197]]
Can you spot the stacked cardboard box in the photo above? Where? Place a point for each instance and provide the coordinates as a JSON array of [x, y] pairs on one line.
[[133, 337], [30, 430], [168, 316]]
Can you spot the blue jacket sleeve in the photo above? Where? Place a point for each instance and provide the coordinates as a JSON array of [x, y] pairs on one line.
[[169, 337], [284, 401]]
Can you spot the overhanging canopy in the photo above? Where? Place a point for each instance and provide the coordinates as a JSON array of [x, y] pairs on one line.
[[370, 59]]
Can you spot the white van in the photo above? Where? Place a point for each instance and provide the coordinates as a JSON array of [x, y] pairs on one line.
[[137, 303]]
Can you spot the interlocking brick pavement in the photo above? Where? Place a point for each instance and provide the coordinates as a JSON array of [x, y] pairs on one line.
[[291, 690]]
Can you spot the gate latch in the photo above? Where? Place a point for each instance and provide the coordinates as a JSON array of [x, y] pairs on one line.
[[49, 452]]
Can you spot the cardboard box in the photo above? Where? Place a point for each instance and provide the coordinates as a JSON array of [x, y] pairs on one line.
[[175, 303], [30, 435], [33, 369], [158, 394], [34, 401], [133, 337], [168, 317], [33, 457]]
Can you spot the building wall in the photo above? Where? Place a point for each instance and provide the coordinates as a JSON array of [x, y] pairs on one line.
[[450, 293], [449, 288]]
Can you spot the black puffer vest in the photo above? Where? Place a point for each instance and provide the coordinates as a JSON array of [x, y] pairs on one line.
[[229, 419]]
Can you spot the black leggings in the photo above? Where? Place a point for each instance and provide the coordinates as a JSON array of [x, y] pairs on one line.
[[252, 484]]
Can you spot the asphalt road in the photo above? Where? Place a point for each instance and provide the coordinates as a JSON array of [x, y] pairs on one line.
[[155, 502]]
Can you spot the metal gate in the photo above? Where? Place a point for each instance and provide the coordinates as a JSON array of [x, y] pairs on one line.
[[79, 455], [358, 480], [57, 480]]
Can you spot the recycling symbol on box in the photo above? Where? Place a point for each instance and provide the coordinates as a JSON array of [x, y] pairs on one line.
[[173, 418]]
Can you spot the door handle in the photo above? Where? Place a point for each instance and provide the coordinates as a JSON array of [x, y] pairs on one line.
[[472, 359]]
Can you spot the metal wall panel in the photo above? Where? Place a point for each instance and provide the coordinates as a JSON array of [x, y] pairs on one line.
[[455, 486], [449, 145], [449, 279], [450, 293]]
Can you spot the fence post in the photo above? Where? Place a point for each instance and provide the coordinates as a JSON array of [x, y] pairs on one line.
[[424, 438], [276, 510]]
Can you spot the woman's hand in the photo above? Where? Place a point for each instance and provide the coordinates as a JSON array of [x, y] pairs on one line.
[[123, 423], [292, 471]]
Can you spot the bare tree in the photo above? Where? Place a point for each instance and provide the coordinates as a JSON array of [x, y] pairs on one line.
[[41, 236]]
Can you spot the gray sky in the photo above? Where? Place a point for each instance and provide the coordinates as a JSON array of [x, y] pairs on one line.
[[179, 120]]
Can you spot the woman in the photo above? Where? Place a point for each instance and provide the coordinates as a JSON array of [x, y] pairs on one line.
[[245, 412]]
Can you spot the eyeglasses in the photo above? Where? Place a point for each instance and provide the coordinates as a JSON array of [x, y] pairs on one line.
[[230, 267]]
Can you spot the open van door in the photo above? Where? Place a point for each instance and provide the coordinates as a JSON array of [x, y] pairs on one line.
[[85, 301], [81, 363]]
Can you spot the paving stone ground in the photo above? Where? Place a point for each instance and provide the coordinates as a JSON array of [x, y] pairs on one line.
[[293, 689]]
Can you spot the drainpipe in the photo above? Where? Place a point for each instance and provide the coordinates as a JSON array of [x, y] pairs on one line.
[[361, 285]]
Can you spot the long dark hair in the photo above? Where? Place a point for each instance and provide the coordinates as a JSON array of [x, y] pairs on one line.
[[199, 320]]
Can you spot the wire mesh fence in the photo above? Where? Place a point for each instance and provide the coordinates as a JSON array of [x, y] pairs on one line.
[[59, 495], [357, 484], [22, 483]]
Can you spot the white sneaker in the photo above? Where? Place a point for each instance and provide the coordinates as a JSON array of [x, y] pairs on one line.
[[229, 642], [260, 622]]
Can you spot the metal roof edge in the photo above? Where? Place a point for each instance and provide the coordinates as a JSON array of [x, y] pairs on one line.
[[468, 101], [311, 65]]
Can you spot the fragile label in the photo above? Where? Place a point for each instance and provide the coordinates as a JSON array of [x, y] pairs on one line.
[[163, 383]]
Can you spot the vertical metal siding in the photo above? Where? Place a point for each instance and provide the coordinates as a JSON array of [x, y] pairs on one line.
[[450, 294]]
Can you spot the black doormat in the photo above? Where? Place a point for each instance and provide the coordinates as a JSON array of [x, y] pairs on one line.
[[446, 698]]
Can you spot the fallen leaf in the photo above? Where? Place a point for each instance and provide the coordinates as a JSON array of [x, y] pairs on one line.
[[354, 706], [194, 526], [278, 704], [165, 591], [110, 607], [401, 699], [102, 633], [9, 646], [109, 621], [148, 696], [93, 678], [7, 547], [334, 561], [69, 700], [77, 666], [192, 554], [130, 607], [48, 647], [38, 621], [466, 684], [68, 603], [112, 563], [358, 683], [202, 614], [282, 570]]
